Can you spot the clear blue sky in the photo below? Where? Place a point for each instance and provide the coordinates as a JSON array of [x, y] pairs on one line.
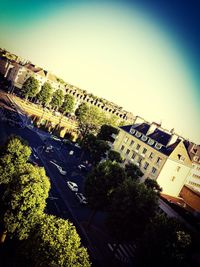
[[143, 55]]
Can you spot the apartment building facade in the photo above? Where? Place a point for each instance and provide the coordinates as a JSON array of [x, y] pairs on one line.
[[160, 155], [18, 73], [193, 179]]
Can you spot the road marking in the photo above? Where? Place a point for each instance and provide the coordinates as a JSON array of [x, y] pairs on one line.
[[52, 198]]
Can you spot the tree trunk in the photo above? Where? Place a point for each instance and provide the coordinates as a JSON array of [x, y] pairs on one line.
[[3, 237]]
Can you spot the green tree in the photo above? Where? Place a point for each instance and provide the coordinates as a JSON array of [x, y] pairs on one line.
[[30, 87], [164, 243], [106, 133], [114, 156], [110, 119], [89, 119], [44, 94], [68, 104], [132, 206], [55, 242], [13, 154], [97, 148], [100, 184], [152, 184], [133, 171], [82, 111], [24, 200], [57, 99]]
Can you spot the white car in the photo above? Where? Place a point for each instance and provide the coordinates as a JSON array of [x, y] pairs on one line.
[[82, 167], [81, 198], [63, 172], [77, 145], [73, 186]]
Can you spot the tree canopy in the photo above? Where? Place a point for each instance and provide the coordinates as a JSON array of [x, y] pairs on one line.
[[55, 242], [24, 200], [101, 182], [132, 207], [133, 171], [57, 99], [44, 94], [114, 156], [152, 184], [97, 148], [165, 243], [106, 132], [14, 153], [68, 104], [30, 87]]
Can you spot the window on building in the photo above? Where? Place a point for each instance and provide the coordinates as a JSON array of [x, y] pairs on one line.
[[146, 164], [173, 178], [138, 134], [154, 170], [122, 148], [159, 160], [126, 140], [131, 143], [151, 155], [144, 151], [133, 156], [139, 160], [138, 147], [127, 151], [180, 157], [144, 138], [178, 168]]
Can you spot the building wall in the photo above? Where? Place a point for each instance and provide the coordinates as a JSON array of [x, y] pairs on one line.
[[3, 65], [172, 177], [170, 171], [175, 171], [191, 197], [193, 178], [148, 159], [19, 74]]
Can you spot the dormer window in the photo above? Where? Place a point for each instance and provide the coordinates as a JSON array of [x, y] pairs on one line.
[[144, 138], [150, 142], [158, 146], [138, 134], [132, 131]]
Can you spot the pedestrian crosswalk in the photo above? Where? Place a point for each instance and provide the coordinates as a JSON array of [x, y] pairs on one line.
[[123, 252]]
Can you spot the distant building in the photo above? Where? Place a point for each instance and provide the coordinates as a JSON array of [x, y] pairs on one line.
[[193, 179], [161, 155], [16, 71]]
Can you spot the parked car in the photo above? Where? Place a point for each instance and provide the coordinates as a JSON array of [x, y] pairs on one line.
[[82, 167], [77, 145], [49, 148], [60, 169], [73, 186], [81, 198]]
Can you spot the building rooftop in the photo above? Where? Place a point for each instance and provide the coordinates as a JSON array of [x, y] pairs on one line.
[[158, 135]]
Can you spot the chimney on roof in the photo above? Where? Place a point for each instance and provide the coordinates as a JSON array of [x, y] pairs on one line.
[[152, 127], [173, 139], [138, 120]]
